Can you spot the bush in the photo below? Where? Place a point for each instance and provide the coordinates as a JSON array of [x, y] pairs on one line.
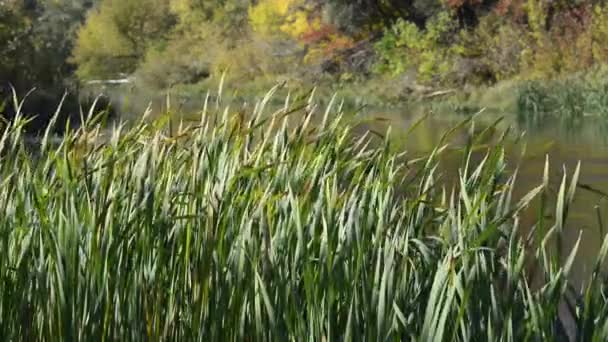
[[428, 50], [187, 57], [498, 44]]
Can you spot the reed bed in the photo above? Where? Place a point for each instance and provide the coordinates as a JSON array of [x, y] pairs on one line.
[[569, 101], [267, 227]]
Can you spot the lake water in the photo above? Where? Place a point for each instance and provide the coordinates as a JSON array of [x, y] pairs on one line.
[[566, 143]]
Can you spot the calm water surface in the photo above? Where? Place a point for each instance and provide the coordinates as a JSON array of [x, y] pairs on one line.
[[566, 143]]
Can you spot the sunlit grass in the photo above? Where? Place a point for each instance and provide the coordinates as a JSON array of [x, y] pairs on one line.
[[264, 226]]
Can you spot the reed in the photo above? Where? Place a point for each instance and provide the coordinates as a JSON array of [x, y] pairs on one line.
[[266, 226]]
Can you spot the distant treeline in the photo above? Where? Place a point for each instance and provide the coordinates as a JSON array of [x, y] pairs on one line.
[[56, 45]]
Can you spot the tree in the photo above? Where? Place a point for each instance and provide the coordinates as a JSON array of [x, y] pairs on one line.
[[118, 33], [37, 41], [15, 28]]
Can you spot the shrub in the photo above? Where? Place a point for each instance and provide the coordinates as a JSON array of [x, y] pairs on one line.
[[428, 50], [498, 44], [599, 34], [187, 57]]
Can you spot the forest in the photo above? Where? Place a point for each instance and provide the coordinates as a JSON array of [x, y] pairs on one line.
[[400, 47]]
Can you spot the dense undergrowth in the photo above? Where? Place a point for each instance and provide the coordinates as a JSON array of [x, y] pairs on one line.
[[265, 226]]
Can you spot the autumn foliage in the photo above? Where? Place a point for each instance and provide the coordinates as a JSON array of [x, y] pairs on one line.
[[165, 43]]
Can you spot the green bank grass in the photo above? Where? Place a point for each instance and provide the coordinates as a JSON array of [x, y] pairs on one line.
[[263, 226], [568, 100]]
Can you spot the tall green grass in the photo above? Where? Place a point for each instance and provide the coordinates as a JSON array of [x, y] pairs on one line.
[[265, 227], [567, 100]]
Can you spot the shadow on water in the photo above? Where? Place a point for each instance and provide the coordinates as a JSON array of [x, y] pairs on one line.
[[40, 105]]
